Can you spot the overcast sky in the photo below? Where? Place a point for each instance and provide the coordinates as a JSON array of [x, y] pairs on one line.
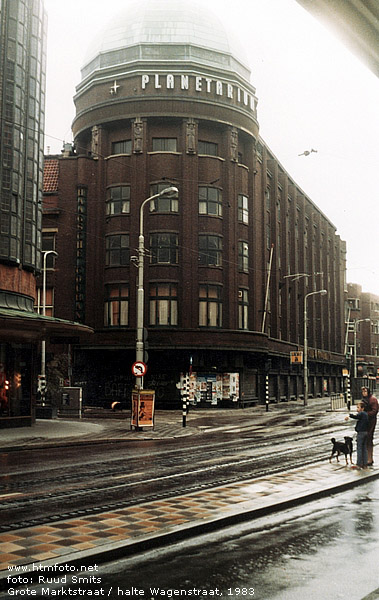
[[312, 92]]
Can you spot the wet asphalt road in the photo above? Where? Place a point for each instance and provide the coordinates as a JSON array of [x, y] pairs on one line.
[[92, 478]]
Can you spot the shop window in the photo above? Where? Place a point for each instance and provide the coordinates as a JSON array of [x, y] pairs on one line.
[[164, 204], [210, 250], [163, 304], [210, 201], [208, 148], [243, 209], [122, 147], [210, 305], [116, 306], [117, 251], [164, 144], [164, 249], [118, 200]]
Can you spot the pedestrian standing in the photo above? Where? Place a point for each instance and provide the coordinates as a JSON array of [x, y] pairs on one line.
[[361, 428], [371, 407]]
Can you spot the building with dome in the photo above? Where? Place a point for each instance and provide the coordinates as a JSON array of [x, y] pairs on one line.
[[165, 100]]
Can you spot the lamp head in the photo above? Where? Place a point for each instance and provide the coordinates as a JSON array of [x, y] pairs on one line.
[[170, 191]]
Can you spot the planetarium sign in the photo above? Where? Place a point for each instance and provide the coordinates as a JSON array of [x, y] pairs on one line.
[[200, 85]]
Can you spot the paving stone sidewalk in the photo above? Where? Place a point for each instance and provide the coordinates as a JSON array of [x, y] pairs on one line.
[[113, 534]]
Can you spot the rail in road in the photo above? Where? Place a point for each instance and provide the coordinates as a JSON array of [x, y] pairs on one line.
[[113, 478]]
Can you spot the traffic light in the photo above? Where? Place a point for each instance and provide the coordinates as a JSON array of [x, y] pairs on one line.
[[42, 385]]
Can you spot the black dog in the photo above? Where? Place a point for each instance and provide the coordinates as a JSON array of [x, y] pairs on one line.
[[345, 448]]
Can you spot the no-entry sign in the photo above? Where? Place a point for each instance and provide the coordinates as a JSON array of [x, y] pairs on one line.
[[139, 369]]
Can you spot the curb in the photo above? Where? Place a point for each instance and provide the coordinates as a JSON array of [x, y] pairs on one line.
[[119, 550]]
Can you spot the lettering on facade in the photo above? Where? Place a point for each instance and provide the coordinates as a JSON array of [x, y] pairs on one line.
[[201, 85], [81, 243]]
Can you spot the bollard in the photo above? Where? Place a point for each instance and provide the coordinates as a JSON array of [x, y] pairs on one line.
[[348, 393], [267, 393], [185, 394]]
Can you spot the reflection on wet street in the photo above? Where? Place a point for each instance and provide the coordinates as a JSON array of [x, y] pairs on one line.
[[324, 550]]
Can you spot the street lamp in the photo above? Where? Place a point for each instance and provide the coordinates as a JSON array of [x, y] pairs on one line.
[[355, 342], [140, 292], [322, 292], [43, 342]]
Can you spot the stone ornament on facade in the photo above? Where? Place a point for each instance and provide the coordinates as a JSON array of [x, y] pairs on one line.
[[138, 135], [234, 145], [95, 142], [191, 131]]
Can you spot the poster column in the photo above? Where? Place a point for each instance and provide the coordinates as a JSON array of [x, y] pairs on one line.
[[143, 409]]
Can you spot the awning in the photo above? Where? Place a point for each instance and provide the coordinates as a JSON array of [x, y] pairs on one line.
[[29, 326]]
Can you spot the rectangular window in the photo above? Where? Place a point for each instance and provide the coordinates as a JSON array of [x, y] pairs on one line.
[[118, 200], [163, 304], [210, 201], [210, 250], [164, 144], [243, 257], [210, 306], [117, 250], [243, 209], [164, 204], [116, 305], [353, 303], [209, 148], [243, 309], [164, 248], [48, 243], [122, 147]]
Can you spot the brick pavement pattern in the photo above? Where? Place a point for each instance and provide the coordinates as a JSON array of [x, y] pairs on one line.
[[117, 529]]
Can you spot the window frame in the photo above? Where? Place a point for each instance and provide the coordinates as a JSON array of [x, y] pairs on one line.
[[119, 302], [127, 149], [172, 200], [206, 148], [160, 304], [123, 260], [243, 309], [110, 201], [210, 306], [243, 209], [205, 201], [164, 142], [243, 256], [206, 253], [157, 248]]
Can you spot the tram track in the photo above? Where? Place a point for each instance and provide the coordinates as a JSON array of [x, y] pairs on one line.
[[109, 493], [163, 459]]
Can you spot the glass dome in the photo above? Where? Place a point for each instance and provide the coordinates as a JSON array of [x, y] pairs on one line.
[[165, 23]]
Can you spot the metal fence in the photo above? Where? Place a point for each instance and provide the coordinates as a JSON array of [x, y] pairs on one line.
[[337, 401]]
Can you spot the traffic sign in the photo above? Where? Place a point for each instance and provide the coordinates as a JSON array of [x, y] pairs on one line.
[[139, 368]]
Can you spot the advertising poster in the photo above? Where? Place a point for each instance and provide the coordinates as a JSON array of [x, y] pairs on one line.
[[143, 405]]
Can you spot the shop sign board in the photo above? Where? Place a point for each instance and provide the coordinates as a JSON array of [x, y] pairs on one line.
[[143, 408], [296, 358]]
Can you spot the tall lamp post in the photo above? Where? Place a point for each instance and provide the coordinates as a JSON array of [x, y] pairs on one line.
[[42, 387], [322, 292], [355, 343], [140, 292]]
